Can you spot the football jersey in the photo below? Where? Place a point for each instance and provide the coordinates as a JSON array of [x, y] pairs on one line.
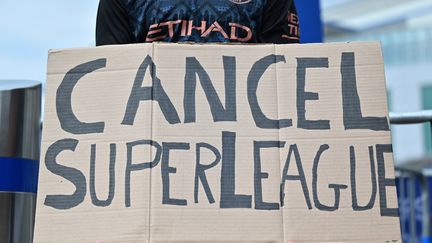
[[244, 21]]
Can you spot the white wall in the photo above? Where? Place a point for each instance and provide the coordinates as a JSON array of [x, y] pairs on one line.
[[405, 84]]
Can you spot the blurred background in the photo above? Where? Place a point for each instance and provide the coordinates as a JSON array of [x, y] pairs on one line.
[[405, 31], [30, 28]]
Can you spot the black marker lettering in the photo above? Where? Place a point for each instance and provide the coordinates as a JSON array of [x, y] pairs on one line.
[[136, 167], [166, 170], [68, 121], [96, 201], [71, 174], [300, 177], [200, 170], [193, 67], [371, 202], [228, 197], [156, 93], [384, 182], [352, 113], [302, 95], [257, 71], [336, 187], [259, 175]]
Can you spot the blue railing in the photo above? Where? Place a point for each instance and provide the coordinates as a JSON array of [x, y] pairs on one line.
[[414, 183]]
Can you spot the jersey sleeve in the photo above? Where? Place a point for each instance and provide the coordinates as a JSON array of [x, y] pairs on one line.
[[112, 24], [280, 23]]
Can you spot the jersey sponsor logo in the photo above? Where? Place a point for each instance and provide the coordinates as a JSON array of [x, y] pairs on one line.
[[293, 27], [233, 31], [240, 1]]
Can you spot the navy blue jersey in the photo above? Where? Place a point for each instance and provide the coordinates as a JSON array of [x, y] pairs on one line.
[[247, 21]]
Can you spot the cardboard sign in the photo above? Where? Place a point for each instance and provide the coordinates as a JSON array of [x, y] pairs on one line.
[[217, 143]]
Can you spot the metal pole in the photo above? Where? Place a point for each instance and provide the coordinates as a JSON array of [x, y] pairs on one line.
[[20, 108], [415, 118], [411, 117]]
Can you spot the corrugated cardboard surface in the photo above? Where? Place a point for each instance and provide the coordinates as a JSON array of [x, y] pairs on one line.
[[103, 95]]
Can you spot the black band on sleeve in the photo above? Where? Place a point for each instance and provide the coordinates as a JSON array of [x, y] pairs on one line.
[[280, 23], [112, 24]]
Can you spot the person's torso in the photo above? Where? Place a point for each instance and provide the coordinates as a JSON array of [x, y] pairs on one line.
[[195, 20]]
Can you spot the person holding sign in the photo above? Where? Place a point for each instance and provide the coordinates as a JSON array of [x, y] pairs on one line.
[[243, 21]]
